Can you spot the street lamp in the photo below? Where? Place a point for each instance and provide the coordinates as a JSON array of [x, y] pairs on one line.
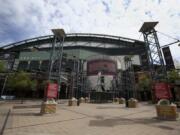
[[59, 34]]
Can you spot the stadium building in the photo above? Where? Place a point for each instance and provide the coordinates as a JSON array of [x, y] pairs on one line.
[[97, 63]]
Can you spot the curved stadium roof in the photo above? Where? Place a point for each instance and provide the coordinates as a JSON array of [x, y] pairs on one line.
[[112, 45]]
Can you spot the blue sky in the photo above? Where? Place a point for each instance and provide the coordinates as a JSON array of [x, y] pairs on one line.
[[22, 19]]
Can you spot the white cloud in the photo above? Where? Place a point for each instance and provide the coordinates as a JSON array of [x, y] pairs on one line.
[[30, 18]]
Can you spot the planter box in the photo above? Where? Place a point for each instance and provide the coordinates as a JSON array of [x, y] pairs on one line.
[[87, 100], [116, 100], [167, 112], [48, 108], [132, 103], [82, 100], [72, 102], [121, 101]]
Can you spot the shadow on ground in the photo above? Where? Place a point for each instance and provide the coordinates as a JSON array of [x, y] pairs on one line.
[[108, 107], [26, 106], [116, 121], [46, 123], [27, 114]]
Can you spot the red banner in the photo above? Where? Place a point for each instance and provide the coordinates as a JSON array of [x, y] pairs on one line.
[[52, 90], [162, 91]]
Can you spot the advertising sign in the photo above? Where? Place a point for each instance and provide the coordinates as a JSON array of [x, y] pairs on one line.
[[52, 90], [162, 91], [106, 67]]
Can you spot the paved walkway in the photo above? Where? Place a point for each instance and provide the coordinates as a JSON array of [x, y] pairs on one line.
[[89, 119], [4, 113]]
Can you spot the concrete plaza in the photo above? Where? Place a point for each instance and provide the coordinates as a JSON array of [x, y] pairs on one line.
[[88, 119]]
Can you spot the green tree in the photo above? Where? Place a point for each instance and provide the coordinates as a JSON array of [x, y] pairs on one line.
[[173, 75], [21, 82], [33, 85], [144, 83], [2, 66]]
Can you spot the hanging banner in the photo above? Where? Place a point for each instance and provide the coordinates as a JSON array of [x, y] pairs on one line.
[[52, 90], [162, 91]]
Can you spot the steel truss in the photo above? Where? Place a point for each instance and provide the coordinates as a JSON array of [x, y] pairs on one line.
[[155, 58]]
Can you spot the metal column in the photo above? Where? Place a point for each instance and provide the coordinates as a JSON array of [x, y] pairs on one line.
[[155, 58], [129, 79], [56, 56]]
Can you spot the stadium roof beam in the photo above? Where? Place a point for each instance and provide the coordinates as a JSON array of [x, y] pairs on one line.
[[74, 37]]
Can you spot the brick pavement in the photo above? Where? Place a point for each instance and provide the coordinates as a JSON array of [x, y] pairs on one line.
[[90, 119]]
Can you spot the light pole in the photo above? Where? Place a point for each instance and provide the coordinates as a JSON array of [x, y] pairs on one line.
[[60, 35]]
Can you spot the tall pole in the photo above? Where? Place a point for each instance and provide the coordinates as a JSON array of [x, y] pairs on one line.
[[51, 58], [59, 34], [60, 66], [77, 82], [155, 58], [74, 73]]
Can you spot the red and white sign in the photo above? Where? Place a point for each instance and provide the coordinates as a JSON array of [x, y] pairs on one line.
[[52, 90], [162, 91]]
